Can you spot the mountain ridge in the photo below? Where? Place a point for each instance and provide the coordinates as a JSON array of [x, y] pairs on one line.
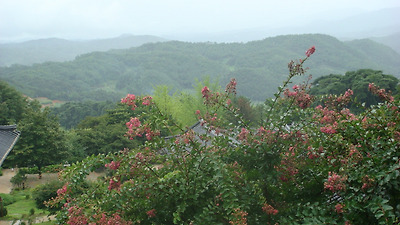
[[259, 66], [59, 49]]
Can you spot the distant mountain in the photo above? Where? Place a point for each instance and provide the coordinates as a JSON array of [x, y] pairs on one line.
[[59, 50], [392, 41], [259, 67]]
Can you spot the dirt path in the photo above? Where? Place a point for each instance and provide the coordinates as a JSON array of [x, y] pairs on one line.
[[5, 185]]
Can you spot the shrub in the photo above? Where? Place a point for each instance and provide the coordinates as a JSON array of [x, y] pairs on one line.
[[45, 192], [19, 180], [3, 212], [7, 199]]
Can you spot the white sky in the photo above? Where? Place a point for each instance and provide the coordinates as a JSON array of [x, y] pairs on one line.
[[84, 19]]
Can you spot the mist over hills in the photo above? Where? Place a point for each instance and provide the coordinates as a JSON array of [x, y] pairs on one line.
[[259, 67], [343, 25], [392, 41], [59, 50]]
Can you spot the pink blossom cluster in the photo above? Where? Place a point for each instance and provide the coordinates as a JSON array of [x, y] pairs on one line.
[[113, 165], [269, 209], [130, 100], [114, 183], [133, 122], [240, 217], [329, 129], [354, 153], [346, 97], [265, 136], [135, 129], [288, 166], [300, 96], [110, 220], [339, 208], [381, 93], [62, 190], [243, 135], [205, 92], [76, 216], [335, 182], [310, 51], [147, 100], [325, 115], [151, 213], [231, 86]]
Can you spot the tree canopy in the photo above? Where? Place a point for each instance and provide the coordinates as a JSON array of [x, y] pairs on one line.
[[41, 142], [357, 81]]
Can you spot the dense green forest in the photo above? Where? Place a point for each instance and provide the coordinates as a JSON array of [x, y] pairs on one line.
[[258, 66]]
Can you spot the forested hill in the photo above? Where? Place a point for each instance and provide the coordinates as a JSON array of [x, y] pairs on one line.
[[59, 50], [259, 67]]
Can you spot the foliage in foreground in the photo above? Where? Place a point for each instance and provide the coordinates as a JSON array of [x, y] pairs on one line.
[[304, 165]]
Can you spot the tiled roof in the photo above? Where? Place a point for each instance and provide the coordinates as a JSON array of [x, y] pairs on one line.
[[8, 137]]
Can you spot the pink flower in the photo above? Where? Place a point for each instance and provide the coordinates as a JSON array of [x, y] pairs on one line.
[[231, 87], [328, 130], [243, 134], [335, 182], [310, 51], [130, 100], [114, 184], [205, 92], [339, 208], [151, 213], [269, 209], [146, 100], [62, 190], [197, 112], [113, 165]]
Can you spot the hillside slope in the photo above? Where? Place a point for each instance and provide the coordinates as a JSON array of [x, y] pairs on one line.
[[59, 50], [390, 40], [259, 67]]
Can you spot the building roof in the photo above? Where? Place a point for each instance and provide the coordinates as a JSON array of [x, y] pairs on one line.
[[198, 129], [8, 137]]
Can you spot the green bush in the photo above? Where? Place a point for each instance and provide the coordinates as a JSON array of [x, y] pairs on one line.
[[19, 180], [7, 199], [45, 192], [1, 171], [29, 170], [3, 212]]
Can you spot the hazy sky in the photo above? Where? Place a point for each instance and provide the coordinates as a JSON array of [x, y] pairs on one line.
[[83, 19]]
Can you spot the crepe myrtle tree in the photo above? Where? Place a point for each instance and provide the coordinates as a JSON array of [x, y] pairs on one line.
[[305, 165]]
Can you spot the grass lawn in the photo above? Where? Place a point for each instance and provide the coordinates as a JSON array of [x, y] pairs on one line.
[[21, 209]]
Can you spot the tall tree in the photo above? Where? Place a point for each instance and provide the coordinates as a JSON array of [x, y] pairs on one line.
[[12, 104], [42, 142]]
